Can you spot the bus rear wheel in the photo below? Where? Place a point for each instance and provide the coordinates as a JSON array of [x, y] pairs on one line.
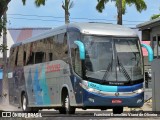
[[66, 108], [117, 110], [25, 107]]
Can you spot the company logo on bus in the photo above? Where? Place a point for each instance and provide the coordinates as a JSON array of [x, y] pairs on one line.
[[117, 101], [116, 94], [53, 68]]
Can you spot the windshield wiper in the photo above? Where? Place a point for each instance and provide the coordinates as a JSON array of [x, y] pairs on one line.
[[123, 70], [108, 69]]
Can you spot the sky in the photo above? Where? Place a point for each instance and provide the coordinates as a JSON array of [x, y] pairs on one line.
[[52, 15]]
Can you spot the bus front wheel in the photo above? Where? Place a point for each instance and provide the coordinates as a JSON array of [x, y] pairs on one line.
[[66, 108], [117, 110], [25, 107]]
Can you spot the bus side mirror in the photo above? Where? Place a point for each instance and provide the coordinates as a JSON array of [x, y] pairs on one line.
[[150, 51], [81, 49]]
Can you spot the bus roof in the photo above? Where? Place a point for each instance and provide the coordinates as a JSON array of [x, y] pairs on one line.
[[102, 29]]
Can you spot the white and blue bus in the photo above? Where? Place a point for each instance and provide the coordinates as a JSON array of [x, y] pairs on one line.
[[79, 65]]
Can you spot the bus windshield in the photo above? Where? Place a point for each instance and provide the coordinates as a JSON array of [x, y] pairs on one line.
[[113, 59]]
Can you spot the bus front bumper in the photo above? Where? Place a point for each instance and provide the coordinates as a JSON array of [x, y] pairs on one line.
[[91, 99]]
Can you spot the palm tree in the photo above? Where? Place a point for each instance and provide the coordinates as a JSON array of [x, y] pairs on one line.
[[3, 48], [154, 16], [5, 98], [37, 2], [66, 6], [3, 8], [121, 6]]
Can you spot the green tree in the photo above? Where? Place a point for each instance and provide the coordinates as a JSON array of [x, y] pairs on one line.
[[3, 8], [5, 97], [154, 16], [37, 2], [67, 5], [121, 6], [3, 48]]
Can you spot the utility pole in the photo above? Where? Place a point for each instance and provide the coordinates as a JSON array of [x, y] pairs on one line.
[[119, 21]]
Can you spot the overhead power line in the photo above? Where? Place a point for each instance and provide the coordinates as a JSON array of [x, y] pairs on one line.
[[57, 17], [78, 18], [52, 20], [35, 19], [35, 16]]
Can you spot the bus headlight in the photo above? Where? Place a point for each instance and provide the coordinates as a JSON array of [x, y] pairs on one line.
[[91, 90], [84, 84], [139, 91]]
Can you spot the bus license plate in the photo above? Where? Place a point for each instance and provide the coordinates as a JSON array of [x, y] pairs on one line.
[[116, 101]]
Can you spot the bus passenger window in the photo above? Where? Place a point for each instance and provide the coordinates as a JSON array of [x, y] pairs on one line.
[[16, 58], [49, 48], [39, 57], [20, 56], [12, 57], [31, 59], [65, 46], [24, 58], [50, 56]]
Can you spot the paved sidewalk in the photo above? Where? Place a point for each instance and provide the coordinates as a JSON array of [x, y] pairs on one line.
[[7, 107]]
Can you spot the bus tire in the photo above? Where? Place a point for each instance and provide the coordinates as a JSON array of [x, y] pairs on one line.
[[117, 110], [69, 109], [25, 107], [66, 108]]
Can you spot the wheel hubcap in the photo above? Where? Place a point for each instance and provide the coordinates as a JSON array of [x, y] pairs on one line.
[[67, 103], [24, 103]]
